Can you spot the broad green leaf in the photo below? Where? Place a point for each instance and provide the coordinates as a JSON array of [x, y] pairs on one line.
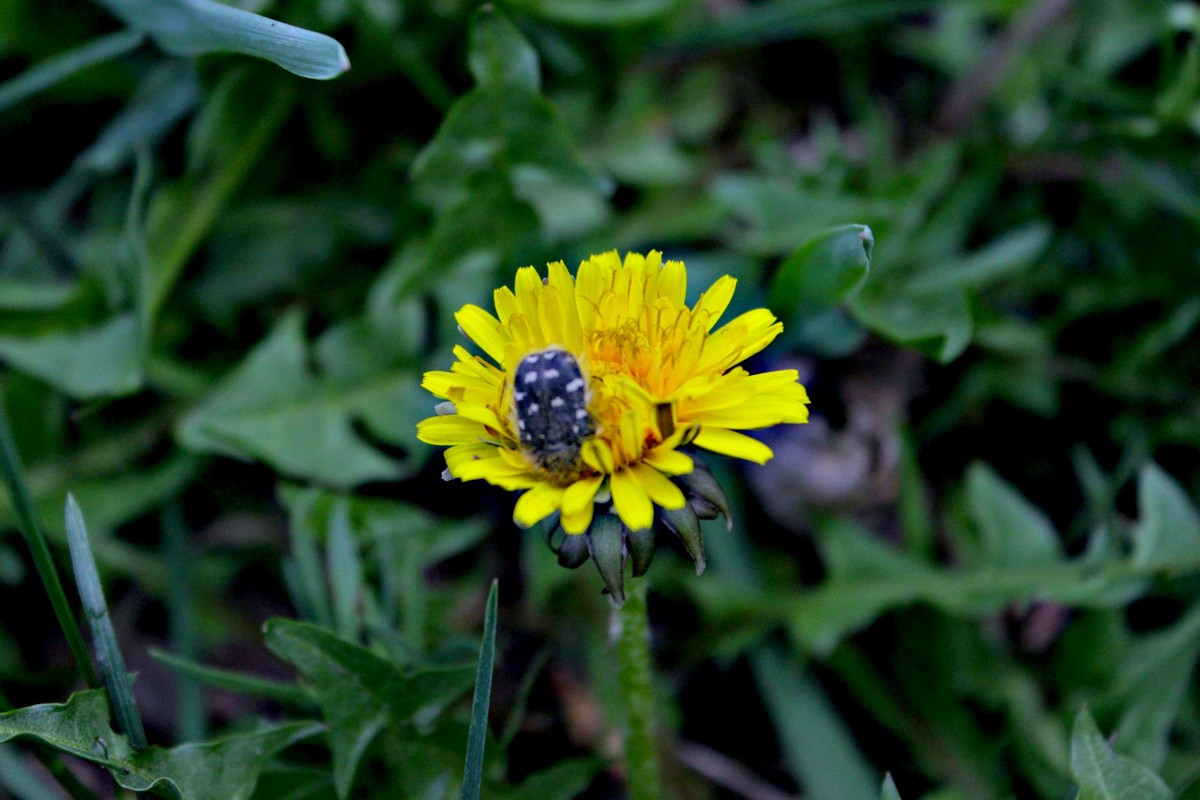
[[194, 27], [499, 56], [272, 400], [939, 325], [1014, 533], [1103, 774], [359, 692], [1168, 534], [101, 361], [223, 769], [825, 271]]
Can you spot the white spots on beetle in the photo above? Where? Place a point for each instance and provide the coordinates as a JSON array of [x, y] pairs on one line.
[[521, 424], [550, 374], [518, 395], [581, 413], [531, 377], [534, 408], [557, 402], [575, 385]]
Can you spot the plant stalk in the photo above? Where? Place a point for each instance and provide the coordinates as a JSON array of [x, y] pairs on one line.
[[635, 678]]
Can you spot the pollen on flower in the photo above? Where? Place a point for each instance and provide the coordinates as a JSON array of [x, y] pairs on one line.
[[594, 383]]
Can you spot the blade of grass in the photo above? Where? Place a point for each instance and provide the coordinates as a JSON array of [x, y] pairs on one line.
[[108, 653], [345, 572], [62, 66], [182, 620], [16, 778], [230, 680], [14, 479], [473, 773]]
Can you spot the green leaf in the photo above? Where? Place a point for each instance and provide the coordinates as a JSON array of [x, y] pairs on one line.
[[1168, 534], [62, 66], [825, 271], [95, 362], [889, 791], [1014, 532], [223, 769], [194, 27], [239, 682], [1105, 775], [814, 739], [1152, 685], [939, 325], [1003, 257], [563, 781], [359, 692], [104, 638], [261, 408], [499, 56], [481, 702], [345, 572], [597, 13]]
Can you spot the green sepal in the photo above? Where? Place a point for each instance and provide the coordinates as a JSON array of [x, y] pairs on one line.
[[641, 546], [606, 543], [686, 525], [574, 551]]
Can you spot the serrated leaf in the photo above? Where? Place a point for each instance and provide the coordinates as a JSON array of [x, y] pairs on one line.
[[95, 362], [825, 271], [1014, 532], [272, 399], [195, 27], [359, 692], [223, 769], [1105, 775], [1168, 534]]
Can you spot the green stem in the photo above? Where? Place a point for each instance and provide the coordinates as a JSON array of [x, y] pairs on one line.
[[635, 677]]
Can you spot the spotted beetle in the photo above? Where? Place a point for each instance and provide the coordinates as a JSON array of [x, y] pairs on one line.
[[550, 398]]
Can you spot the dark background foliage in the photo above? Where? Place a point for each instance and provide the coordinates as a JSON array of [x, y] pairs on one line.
[[220, 283]]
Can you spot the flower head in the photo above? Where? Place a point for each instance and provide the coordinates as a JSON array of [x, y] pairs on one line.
[[594, 384]]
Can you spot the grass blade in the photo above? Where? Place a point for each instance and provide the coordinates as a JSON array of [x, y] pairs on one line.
[[16, 778], [185, 636], [112, 664], [473, 773], [60, 67], [230, 680], [14, 479]]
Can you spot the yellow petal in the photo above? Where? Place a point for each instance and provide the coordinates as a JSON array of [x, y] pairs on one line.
[[660, 488], [731, 443], [672, 283], [578, 503], [452, 429], [714, 301], [672, 462], [536, 504], [631, 500], [506, 303], [483, 329]]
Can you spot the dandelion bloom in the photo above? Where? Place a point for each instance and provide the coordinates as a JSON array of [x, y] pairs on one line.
[[594, 384]]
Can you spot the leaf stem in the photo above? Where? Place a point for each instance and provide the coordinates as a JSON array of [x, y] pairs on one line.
[[635, 680]]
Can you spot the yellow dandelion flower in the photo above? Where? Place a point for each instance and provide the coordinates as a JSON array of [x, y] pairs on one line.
[[592, 386]]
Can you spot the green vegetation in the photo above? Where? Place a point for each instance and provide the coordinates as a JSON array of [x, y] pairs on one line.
[[974, 575]]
